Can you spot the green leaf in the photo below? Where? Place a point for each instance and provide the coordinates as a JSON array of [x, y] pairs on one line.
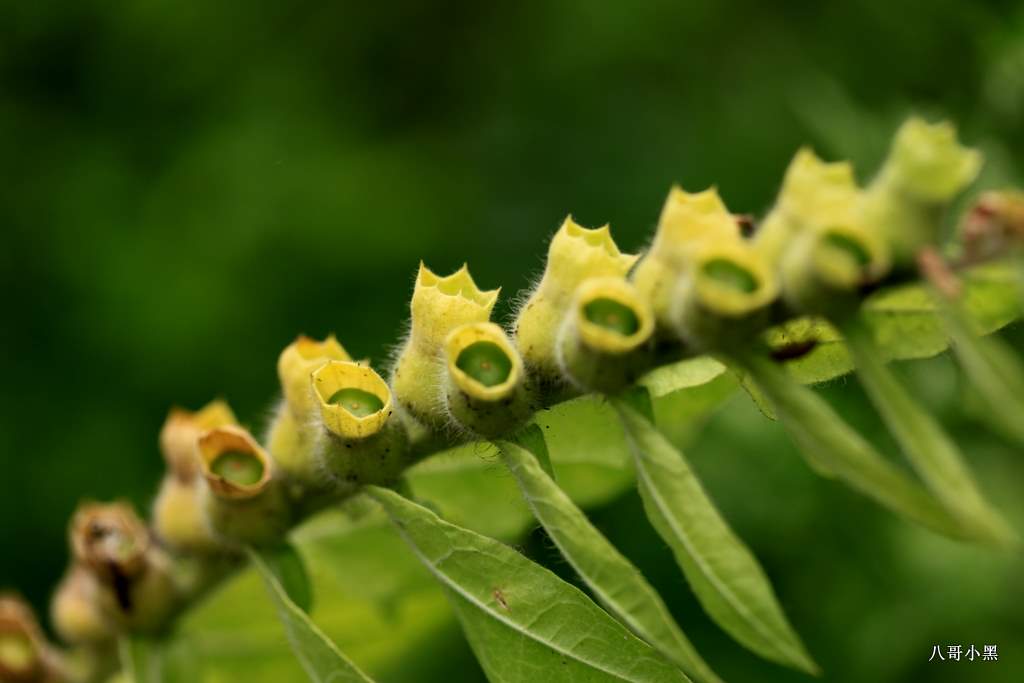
[[833, 448], [523, 622], [531, 438], [930, 450], [140, 659], [587, 450], [614, 580], [374, 600], [906, 322], [287, 566], [723, 573], [321, 659], [994, 370], [684, 374]]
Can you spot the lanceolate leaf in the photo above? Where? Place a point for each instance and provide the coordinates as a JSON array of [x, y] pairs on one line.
[[524, 623], [994, 370], [930, 450], [320, 658], [614, 580], [287, 566], [724, 575], [833, 448]]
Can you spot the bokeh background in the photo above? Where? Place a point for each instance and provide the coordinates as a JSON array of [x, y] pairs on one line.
[[184, 187]]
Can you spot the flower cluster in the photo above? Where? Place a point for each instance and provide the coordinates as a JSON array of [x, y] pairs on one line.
[[596, 320]]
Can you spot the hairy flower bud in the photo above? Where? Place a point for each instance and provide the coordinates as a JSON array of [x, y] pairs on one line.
[[925, 169], [133, 573], [293, 434], [182, 429], [723, 297], [361, 443], [688, 220], [179, 519], [575, 254], [244, 501], [603, 343], [484, 388], [76, 611], [439, 305]]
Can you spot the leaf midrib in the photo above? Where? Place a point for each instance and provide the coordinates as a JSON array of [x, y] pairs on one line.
[[469, 597], [711, 576]]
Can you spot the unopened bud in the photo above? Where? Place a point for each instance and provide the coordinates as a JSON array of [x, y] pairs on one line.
[[484, 390], [179, 519]]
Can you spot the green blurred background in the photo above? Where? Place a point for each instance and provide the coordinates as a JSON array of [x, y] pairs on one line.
[[184, 187]]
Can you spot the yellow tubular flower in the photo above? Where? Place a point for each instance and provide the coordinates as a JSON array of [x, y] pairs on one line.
[[292, 434], [182, 429], [361, 442], [924, 171], [575, 254], [244, 502], [723, 296], [603, 343], [688, 221], [439, 305], [484, 392]]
